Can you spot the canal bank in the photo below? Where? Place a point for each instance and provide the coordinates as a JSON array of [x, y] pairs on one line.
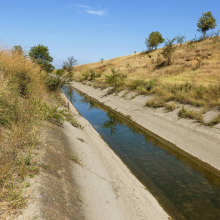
[[199, 143]]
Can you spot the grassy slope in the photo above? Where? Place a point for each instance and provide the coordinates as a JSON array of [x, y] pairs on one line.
[[25, 103], [193, 78], [184, 67]]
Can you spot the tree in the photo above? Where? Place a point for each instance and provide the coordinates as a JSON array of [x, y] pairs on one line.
[[69, 64], [154, 39], [169, 50], [206, 22], [40, 55], [180, 39], [17, 49]]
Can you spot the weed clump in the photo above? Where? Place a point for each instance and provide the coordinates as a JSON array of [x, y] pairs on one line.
[[75, 158], [169, 107], [190, 114], [157, 102]]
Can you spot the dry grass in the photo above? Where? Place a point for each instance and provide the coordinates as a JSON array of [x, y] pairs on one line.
[[169, 107], [157, 102], [25, 103], [198, 63], [193, 78], [190, 114], [19, 119]]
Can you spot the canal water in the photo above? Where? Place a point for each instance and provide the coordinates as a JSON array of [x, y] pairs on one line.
[[183, 188]]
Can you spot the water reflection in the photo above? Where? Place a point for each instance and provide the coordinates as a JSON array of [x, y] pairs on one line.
[[111, 124], [185, 190]]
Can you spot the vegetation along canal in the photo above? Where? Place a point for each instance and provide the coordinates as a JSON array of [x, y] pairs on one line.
[[183, 188]]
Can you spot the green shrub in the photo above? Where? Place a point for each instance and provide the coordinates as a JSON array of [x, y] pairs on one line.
[[89, 75], [55, 82], [116, 79], [59, 72], [168, 50], [142, 90], [85, 76], [92, 75], [150, 84]]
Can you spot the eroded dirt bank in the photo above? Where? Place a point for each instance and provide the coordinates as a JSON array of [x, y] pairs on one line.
[[100, 187], [203, 143]]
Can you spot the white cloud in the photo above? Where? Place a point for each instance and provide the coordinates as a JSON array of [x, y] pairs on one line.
[[89, 10], [82, 6], [100, 13]]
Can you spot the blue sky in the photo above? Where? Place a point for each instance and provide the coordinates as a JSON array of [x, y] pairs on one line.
[[91, 30]]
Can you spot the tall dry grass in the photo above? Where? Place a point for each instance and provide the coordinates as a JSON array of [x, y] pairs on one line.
[[25, 103]]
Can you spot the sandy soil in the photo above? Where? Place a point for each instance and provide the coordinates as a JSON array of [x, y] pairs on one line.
[[203, 143], [101, 187]]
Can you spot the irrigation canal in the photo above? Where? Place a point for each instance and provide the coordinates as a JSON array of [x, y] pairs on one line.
[[183, 188]]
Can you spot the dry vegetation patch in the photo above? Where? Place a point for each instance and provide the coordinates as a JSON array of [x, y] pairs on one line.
[[25, 102], [193, 78]]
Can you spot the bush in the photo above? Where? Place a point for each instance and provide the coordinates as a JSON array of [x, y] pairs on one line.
[[169, 50], [55, 82], [89, 75], [116, 79], [180, 39], [59, 72], [92, 75], [52, 114], [150, 84]]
